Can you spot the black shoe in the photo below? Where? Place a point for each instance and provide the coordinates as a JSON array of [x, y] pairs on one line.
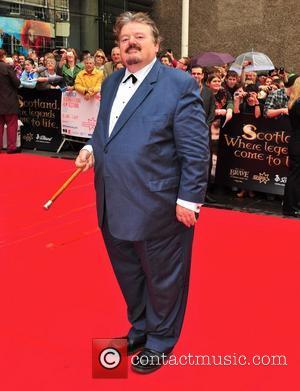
[[210, 199], [135, 344], [148, 361]]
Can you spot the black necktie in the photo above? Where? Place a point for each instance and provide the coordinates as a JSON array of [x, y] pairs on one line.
[[131, 76]]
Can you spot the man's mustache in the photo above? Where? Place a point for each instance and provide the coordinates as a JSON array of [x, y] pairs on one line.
[[133, 46]]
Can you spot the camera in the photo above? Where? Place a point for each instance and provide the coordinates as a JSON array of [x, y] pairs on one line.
[[281, 70]]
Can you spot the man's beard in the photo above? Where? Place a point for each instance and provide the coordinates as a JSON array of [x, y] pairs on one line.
[[133, 59]]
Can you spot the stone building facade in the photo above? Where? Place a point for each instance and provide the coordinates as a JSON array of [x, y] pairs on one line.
[[235, 26]]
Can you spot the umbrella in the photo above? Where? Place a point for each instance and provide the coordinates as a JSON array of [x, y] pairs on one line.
[[259, 62], [209, 59]]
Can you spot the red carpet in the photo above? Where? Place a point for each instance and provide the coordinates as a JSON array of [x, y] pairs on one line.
[[58, 291]]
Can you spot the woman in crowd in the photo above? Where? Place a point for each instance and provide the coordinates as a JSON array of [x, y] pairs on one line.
[[100, 59], [29, 77], [246, 102], [48, 79], [224, 104], [69, 67], [291, 200]]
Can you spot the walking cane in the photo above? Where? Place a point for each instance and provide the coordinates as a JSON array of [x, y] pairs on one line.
[[62, 188]]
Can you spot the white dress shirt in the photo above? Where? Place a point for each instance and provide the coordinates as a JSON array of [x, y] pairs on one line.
[[124, 94]]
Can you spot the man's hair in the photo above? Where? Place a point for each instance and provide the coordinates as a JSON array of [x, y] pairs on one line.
[[165, 56], [136, 17], [231, 74], [89, 58]]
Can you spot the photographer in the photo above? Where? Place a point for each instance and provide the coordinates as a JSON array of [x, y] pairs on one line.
[[69, 67], [246, 101]]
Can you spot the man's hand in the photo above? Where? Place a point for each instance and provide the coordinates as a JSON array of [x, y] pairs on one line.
[[185, 216], [85, 160]]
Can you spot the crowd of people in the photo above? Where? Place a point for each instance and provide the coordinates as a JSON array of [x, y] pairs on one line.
[[224, 92]]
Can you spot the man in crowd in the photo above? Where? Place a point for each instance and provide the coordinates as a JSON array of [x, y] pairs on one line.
[[110, 66], [166, 60], [9, 104], [209, 105], [276, 104], [231, 82], [183, 63], [208, 98], [89, 80], [151, 160]]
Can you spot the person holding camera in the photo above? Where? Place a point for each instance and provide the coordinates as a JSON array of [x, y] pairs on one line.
[[246, 101], [69, 67]]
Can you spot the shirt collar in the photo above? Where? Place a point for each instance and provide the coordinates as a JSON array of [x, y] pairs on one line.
[[91, 73], [142, 73]]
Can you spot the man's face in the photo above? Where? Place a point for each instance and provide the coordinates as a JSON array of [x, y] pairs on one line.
[[262, 79], [89, 65], [115, 55], [181, 64], [165, 61], [197, 73], [251, 76], [21, 60], [231, 81], [137, 45]]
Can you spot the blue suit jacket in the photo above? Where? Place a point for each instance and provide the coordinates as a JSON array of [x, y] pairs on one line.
[[157, 152]]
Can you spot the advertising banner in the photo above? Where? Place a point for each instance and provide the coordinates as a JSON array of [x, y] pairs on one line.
[[26, 34], [40, 115], [79, 116], [253, 153]]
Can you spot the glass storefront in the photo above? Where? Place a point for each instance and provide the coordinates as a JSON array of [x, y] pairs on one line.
[[44, 25]]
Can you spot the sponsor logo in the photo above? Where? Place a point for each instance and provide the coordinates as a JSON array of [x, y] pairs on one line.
[[262, 177], [239, 174]]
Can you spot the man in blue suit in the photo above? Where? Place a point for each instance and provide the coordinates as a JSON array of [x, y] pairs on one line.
[[151, 156]]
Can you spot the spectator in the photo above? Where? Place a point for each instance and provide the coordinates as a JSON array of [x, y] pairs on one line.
[[224, 104], [22, 61], [100, 59], [69, 67], [276, 104], [209, 108], [88, 81], [291, 200], [110, 66], [183, 63], [33, 55], [206, 94], [166, 60], [48, 79], [9, 104], [246, 102], [231, 83], [84, 54], [29, 76]]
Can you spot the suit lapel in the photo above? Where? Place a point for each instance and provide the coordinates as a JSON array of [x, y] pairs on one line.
[[136, 100]]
